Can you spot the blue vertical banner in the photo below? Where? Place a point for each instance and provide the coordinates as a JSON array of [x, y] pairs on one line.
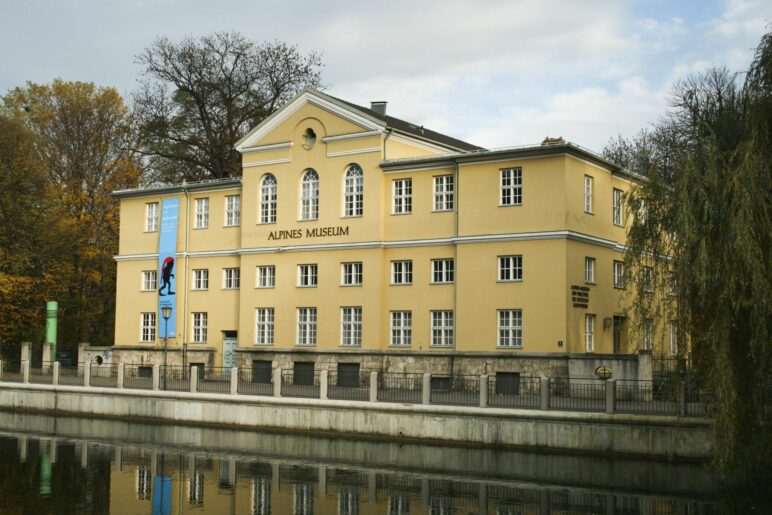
[[167, 261], [162, 495]]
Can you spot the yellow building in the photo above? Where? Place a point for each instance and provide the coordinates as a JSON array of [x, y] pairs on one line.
[[354, 237]]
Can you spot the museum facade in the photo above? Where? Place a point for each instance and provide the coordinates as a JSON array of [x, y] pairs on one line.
[[354, 237]]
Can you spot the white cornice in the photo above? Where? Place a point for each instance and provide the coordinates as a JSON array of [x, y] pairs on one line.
[[266, 163], [266, 148], [355, 151], [432, 242], [350, 136], [403, 138]]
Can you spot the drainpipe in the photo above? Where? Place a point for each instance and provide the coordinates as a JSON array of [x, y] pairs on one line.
[[187, 272], [457, 205]]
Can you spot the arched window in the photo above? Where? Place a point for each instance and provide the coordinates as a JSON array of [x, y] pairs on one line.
[[268, 200], [353, 198], [309, 196]]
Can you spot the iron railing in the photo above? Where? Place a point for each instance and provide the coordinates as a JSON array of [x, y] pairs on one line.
[[348, 385], [138, 376], [577, 394], [405, 388], [253, 384], [105, 376], [299, 385], [174, 378], [72, 376], [458, 390], [214, 380], [44, 374], [522, 393], [633, 396]]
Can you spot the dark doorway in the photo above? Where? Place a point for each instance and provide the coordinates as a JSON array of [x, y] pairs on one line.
[[261, 371], [508, 383], [303, 373], [348, 374]]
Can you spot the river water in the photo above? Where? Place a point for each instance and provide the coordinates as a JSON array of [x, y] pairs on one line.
[[72, 465]]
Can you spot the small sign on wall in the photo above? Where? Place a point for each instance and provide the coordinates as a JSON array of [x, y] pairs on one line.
[[580, 296]]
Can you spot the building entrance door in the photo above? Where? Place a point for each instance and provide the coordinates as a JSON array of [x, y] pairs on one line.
[[229, 342]]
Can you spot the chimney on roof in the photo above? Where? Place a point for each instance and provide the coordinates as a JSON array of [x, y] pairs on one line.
[[379, 107]]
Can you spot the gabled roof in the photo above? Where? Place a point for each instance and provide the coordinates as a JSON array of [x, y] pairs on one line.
[[362, 116]]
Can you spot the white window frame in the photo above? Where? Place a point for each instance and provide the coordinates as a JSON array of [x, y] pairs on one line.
[[442, 328], [353, 192], [443, 271], [151, 216], [619, 274], [647, 278], [231, 278], [589, 332], [266, 276], [232, 210], [648, 333], [199, 326], [351, 326], [444, 193], [149, 280], [589, 270], [510, 268], [674, 337], [148, 327], [306, 327], [402, 272], [309, 195], [308, 275], [202, 213], [617, 211], [588, 193], [402, 196], [200, 279], [511, 187], [672, 284], [351, 273], [401, 328], [264, 326], [510, 328], [268, 195]]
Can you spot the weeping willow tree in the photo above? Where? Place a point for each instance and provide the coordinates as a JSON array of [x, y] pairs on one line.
[[699, 245]]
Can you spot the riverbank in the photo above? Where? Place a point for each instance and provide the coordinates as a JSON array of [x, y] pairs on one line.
[[598, 434]]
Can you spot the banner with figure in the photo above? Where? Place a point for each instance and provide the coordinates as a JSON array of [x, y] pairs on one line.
[[167, 255]]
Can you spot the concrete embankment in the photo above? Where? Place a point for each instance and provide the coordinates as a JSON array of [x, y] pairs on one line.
[[657, 437]]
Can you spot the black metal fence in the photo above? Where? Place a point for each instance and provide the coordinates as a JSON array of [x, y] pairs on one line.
[[174, 378], [524, 392], [633, 396], [299, 385], [42, 374], [105, 375], [72, 376], [252, 383], [459, 390], [138, 376], [214, 379], [577, 394], [405, 388], [348, 385]]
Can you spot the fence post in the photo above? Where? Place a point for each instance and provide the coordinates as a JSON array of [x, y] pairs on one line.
[[121, 374], [544, 393], [55, 374], [1, 370], [323, 377], [277, 382], [373, 386], [87, 374], [25, 371], [234, 381], [194, 379], [156, 377], [426, 390], [484, 391], [611, 390]]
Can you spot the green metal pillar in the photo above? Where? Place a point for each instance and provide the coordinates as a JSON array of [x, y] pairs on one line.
[[52, 307]]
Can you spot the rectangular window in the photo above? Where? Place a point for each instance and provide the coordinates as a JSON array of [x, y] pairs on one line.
[[307, 276], [646, 279], [306, 326], [202, 213], [442, 271], [443, 193], [674, 337], [617, 207], [266, 276], [232, 210], [589, 270], [510, 328], [619, 274], [511, 187], [149, 280], [589, 332], [588, 194], [442, 328], [201, 279], [401, 328], [351, 326], [648, 333], [231, 278], [147, 327], [351, 274], [510, 268], [151, 217], [402, 196], [264, 326], [401, 272], [672, 285], [199, 327]]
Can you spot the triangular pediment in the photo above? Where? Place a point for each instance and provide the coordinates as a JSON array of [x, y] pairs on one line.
[[259, 134]]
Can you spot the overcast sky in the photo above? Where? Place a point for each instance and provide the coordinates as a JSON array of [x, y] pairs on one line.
[[494, 73]]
